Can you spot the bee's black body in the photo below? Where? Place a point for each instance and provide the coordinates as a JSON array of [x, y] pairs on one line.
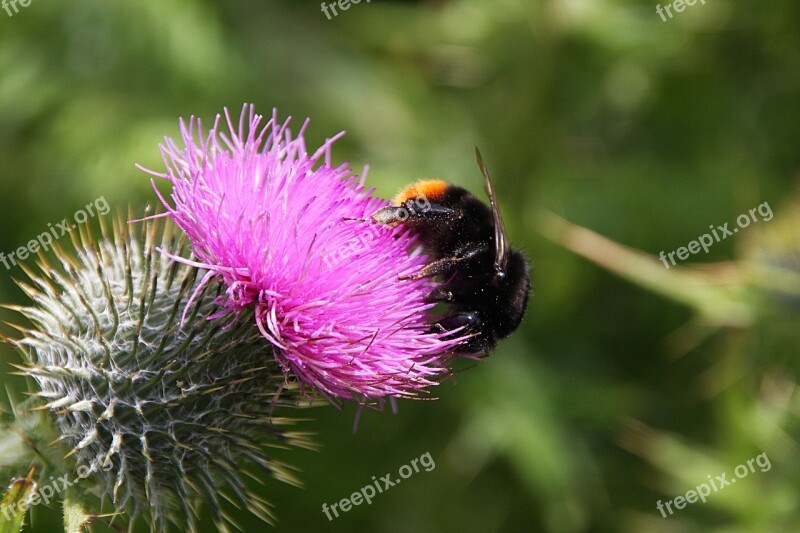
[[485, 282]]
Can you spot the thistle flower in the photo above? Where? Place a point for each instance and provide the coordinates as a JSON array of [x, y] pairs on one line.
[[276, 224], [162, 415]]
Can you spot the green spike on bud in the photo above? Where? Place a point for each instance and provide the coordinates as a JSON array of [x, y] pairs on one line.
[[159, 413]]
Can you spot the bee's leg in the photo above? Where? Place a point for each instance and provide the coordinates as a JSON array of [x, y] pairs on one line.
[[394, 214], [470, 321], [439, 294], [445, 265], [435, 268]]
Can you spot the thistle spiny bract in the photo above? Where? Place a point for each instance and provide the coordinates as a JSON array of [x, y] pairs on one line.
[[165, 416]]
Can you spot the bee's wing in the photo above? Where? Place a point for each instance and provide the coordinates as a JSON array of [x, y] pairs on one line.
[[500, 238]]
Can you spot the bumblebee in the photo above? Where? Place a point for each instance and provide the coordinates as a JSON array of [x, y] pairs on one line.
[[484, 282]]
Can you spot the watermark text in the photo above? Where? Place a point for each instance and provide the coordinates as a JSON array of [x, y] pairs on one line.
[[378, 486], [677, 5], [703, 490], [719, 233], [344, 5], [44, 241], [8, 5]]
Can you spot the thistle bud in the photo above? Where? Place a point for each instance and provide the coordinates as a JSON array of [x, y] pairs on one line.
[[161, 415]]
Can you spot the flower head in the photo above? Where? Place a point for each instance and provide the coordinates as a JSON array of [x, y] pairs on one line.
[[159, 415], [277, 225]]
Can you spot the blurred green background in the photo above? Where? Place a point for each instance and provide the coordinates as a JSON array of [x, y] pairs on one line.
[[611, 396]]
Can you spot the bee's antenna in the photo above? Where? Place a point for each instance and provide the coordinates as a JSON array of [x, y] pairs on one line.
[[500, 238]]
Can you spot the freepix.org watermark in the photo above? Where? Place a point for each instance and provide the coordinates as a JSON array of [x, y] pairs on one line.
[[43, 241], [344, 5], [677, 5], [47, 492], [8, 5], [703, 490], [360, 243], [705, 241], [378, 486]]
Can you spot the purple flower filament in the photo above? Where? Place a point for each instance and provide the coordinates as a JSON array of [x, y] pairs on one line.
[[271, 221]]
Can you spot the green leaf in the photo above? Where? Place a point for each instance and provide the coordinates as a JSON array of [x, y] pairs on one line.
[[16, 502]]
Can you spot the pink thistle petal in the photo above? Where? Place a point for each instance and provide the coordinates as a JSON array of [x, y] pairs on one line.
[[274, 224]]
